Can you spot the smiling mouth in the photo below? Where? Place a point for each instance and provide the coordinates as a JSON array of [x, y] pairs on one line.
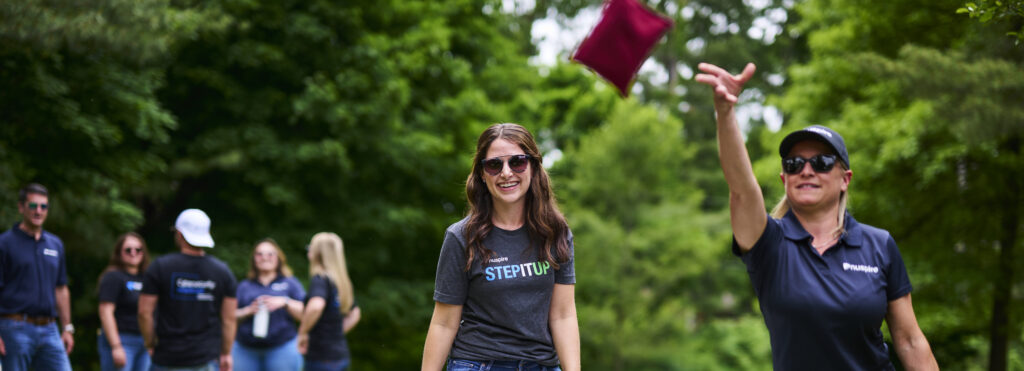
[[507, 185], [807, 186]]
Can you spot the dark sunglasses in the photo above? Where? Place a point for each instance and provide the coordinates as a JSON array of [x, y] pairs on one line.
[[820, 163], [133, 250], [517, 163], [33, 206]]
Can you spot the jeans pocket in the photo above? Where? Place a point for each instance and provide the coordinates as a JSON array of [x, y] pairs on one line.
[[464, 365]]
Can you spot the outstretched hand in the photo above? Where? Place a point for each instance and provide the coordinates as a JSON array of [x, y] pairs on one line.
[[727, 86]]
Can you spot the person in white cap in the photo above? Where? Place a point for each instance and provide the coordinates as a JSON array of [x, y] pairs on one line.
[[195, 296]]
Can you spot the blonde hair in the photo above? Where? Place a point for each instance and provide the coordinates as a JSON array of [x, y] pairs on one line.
[[327, 258], [781, 208], [282, 261]]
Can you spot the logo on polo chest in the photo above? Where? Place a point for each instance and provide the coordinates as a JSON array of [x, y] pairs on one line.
[[860, 268]]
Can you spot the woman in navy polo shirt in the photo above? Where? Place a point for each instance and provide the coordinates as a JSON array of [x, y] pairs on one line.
[[824, 281], [120, 342], [270, 287]]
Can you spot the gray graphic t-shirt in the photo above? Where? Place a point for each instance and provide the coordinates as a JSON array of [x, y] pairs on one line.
[[505, 302]]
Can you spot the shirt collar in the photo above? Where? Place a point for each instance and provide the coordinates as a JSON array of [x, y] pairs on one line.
[[793, 230], [17, 229]]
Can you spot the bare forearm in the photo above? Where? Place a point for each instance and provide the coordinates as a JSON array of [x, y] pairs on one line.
[[63, 296], [295, 308], [309, 317], [436, 348], [565, 333], [109, 324], [916, 354], [228, 324]]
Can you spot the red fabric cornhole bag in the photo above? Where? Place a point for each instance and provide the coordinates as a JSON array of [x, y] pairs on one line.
[[621, 41]]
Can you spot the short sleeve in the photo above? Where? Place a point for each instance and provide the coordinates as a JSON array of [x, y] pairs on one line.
[[319, 287], [151, 279], [566, 273], [62, 268], [898, 284], [295, 290], [770, 237], [451, 284], [110, 287], [230, 283], [241, 293]]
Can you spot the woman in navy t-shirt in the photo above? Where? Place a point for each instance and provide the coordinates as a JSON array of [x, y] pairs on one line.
[[824, 281], [270, 285], [120, 342], [331, 309]]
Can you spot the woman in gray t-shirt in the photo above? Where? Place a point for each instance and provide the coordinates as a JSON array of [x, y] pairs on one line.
[[504, 292]]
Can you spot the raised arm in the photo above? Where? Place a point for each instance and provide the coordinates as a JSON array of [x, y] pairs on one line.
[[443, 326], [911, 345], [746, 203]]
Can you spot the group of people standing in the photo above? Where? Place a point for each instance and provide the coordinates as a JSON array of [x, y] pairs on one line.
[[178, 312], [504, 289]]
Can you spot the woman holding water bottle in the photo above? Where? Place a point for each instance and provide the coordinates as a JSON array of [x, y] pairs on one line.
[[269, 303]]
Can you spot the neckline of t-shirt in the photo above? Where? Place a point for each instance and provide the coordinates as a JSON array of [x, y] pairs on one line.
[[507, 231]]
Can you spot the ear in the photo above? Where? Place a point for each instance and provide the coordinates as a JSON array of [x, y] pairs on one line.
[[847, 177], [782, 176]]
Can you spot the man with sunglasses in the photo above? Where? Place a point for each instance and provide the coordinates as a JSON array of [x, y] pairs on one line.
[[34, 293], [824, 281]]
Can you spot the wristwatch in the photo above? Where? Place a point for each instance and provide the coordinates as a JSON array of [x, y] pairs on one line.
[[69, 328]]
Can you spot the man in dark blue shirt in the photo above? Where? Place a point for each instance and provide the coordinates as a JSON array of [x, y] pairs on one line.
[[34, 291]]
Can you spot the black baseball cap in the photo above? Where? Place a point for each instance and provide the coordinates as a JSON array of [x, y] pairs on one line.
[[818, 133]]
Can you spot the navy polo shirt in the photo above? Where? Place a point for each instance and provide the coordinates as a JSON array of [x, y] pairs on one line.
[[30, 270], [281, 327], [825, 312]]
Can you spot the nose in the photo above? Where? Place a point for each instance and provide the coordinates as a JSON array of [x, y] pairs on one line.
[[807, 170], [506, 169]]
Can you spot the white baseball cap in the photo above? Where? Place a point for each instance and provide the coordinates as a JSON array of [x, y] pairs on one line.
[[194, 225]]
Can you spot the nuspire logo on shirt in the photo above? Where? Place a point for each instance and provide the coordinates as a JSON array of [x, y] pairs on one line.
[[860, 268]]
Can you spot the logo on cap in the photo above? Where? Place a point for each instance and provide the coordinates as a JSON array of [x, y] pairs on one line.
[[820, 131]]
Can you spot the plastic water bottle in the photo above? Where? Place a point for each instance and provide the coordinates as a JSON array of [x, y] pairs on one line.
[[260, 322]]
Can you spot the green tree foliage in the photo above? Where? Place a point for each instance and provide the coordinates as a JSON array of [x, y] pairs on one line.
[[1000, 10], [931, 109]]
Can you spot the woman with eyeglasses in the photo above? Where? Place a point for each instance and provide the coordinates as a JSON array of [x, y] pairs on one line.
[[331, 310], [269, 304], [824, 281], [120, 343], [504, 291]]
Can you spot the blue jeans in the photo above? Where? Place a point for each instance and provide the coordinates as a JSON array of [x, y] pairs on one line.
[[213, 365], [467, 365], [35, 346], [136, 356], [341, 365], [284, 357]]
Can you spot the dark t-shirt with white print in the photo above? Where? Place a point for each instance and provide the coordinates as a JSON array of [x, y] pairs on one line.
[[505, 302]]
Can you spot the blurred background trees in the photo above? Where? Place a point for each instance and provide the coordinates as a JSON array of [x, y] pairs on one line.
[[287, 118]]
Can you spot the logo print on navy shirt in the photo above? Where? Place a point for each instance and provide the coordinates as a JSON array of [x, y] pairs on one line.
[[133, 285], [50, 252], [503, 272], [188, 287], [280, 286], [860, 268]]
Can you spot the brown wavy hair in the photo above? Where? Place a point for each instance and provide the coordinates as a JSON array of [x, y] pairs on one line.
[[544, 223], [283, 269], [116, 263]]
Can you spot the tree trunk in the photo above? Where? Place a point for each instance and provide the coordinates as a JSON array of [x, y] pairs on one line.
[[1001, 322]]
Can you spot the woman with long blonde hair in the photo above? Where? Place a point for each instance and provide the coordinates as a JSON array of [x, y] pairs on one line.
[[330, 308]]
